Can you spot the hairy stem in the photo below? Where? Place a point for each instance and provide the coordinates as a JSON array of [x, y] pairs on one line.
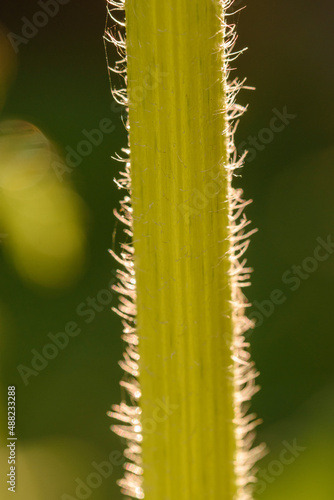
[[183, 288], [194, 372]]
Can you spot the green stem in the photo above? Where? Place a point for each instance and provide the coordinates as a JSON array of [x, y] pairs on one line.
[[194, 371]]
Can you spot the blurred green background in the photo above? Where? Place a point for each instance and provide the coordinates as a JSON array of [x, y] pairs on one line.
[[56, 225]]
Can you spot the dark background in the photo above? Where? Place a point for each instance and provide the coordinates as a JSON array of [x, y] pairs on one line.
[[61, 86]]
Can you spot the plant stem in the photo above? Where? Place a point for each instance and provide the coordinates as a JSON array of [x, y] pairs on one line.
[[194, 372]]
